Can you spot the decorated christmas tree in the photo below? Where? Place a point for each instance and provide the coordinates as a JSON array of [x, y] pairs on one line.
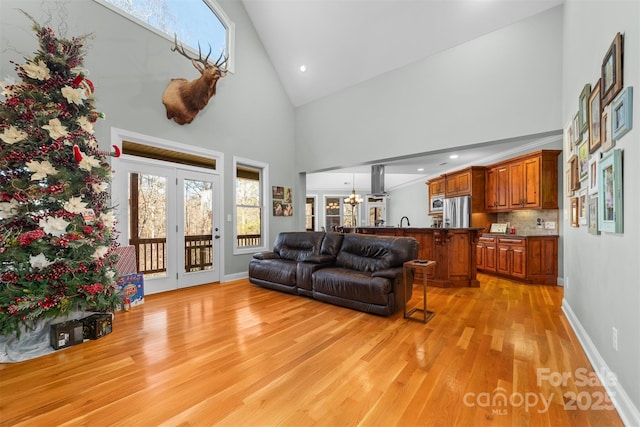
[[56, 228]]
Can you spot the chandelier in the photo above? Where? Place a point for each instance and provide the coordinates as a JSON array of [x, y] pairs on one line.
[[353, 199]]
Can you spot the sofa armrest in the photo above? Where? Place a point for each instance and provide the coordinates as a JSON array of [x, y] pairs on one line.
[[266, 255], [391, 273], [320, 259]]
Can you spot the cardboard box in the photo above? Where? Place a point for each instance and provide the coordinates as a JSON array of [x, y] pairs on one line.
[[66, 334], [131, 287], [97, 325]]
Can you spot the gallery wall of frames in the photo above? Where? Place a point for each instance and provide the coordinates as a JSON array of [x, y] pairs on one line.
[[594, 172]]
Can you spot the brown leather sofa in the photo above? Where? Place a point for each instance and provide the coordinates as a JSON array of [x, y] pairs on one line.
[[363, 272]]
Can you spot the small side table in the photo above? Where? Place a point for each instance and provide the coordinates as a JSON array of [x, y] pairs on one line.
[[424, 265]]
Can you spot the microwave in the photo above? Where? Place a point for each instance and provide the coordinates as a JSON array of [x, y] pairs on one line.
[[437, 204]]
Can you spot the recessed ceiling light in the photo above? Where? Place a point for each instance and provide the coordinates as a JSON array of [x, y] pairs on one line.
[[420, 169], [453, 156], [303, 68]]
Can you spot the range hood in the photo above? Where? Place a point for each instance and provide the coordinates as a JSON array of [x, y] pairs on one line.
[[377, 180]]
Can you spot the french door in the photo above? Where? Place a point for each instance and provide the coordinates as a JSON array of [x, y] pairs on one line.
[[170, 214]]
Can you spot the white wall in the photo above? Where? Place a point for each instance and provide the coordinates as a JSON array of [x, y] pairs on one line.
[[250, 116], [411, 201], [603, 271], [499, 86]]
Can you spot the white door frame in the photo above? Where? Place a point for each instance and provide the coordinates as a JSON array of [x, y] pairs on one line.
[[120, 189]]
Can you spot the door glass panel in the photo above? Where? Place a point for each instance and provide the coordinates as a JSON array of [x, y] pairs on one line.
[[198, 225], [148, 222]]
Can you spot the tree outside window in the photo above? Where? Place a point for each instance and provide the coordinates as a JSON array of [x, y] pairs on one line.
[[248, 206]]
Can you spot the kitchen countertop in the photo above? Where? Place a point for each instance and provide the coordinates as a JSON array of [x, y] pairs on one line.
[[519, 235]]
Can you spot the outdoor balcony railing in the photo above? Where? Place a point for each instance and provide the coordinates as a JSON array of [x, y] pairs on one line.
[[198, 252]]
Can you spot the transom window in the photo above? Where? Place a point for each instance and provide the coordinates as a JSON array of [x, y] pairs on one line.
[[194, 22]]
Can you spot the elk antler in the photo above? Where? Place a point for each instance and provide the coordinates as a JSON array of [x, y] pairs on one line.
[[180, 49]]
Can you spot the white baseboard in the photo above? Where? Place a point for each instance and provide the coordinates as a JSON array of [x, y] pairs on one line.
[[620, 399], [236, 276]]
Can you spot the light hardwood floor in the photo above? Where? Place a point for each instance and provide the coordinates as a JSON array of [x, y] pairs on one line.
[[235, 354]]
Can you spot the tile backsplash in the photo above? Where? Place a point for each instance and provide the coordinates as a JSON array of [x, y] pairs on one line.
[[526, 221]]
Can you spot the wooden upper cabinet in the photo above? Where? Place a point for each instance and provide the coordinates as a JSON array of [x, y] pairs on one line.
[[436, 187], [458, 183], [497, 189], [467, 182], [526, 182]]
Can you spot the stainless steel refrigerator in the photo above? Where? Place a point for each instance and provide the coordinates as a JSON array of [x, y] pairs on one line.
[[457, 212]]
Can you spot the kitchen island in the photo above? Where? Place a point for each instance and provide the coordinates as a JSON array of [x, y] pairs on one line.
[[453, 249]]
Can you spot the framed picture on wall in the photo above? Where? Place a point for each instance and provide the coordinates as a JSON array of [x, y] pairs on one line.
[[568, 185], [583, 161], [583, 108], [582, 207], [593, 215], [568, 140], [575, 177], [610, 192], [575, 222], [612, 71], [593, 173], [577, 135], [595, 114], [622, 114], [606, 142]]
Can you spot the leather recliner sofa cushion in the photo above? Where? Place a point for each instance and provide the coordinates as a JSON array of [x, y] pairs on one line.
[[278, 269]]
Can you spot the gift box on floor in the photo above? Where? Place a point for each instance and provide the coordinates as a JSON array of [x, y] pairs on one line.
[[66, 334], [131, 287], [126, 263], [97, 325]]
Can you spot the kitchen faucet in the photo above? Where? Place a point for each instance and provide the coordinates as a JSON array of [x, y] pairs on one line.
[[402, 219]]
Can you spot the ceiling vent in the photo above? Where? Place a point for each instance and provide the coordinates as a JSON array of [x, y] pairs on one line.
[[377, 180]]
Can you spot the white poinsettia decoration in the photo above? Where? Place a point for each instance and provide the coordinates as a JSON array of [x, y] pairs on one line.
[[9, 209], [37, 71], [13, 135], [100, 187], [7, 89], [75, 205], [55, 226], [39, 261], [108, 219], [88, 162], [41, 169], [73, 96], [56, 129], [85, 124], [100, 252]]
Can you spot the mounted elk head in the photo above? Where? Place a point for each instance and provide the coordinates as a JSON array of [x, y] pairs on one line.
[[183, 99]]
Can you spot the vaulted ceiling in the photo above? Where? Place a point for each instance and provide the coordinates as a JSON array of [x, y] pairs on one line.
[[346, 42]]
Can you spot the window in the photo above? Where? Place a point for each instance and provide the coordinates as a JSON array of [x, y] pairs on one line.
[[310, 213], [250, 213], [332, 213], [194, 22]]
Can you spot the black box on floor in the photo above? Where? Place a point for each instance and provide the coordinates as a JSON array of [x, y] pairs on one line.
[[66, 334], [97, 325]]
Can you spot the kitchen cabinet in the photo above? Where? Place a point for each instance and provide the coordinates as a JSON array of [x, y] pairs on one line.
[[512, 257], [525, 182], [486, 254], [497, 189], [531, 259], [458, 183], [436, 186], [453, 249], [467, 182]]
